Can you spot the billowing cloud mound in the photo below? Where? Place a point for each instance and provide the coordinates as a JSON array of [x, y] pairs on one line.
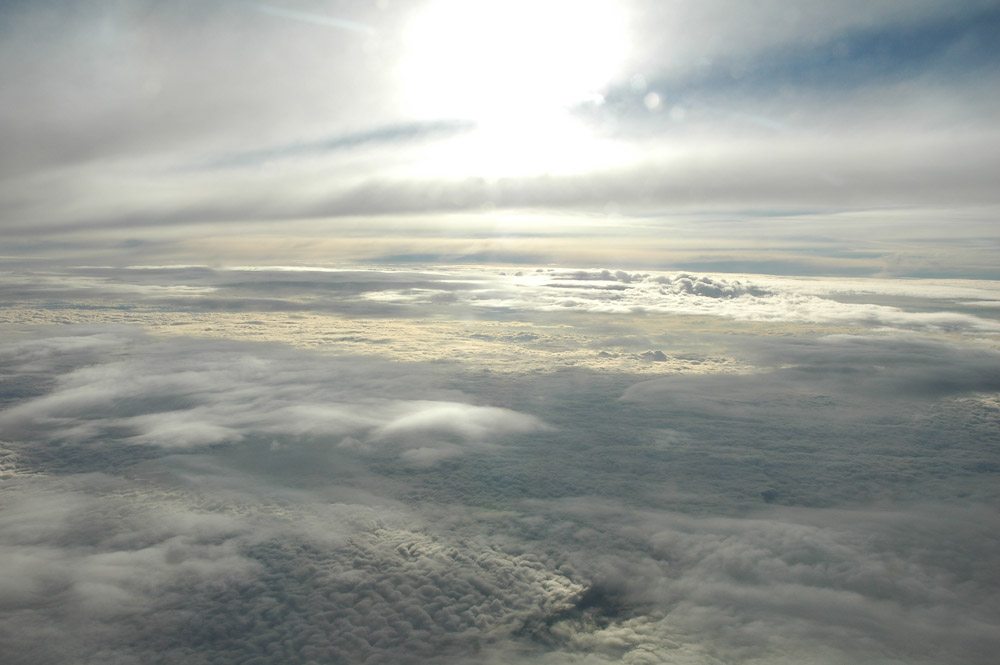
[[701, 285], [755, 298], [746, 298], [182, 396]]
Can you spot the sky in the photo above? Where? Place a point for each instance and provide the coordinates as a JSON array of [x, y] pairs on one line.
[[475, 332], [751, 136]]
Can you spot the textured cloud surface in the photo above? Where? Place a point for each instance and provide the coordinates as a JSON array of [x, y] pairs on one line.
[[144, 552], [460, 465]]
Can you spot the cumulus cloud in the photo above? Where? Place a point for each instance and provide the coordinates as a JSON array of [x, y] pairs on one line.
[[211, 554], [780, 585], [184, 395], [207, 500], [430, 431], [749, 298], [149, 576], [684, 293], [462, 420], [310, 514]]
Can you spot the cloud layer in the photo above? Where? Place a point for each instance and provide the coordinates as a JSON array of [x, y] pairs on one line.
[[337, 333], [200, 500], [962, 306]]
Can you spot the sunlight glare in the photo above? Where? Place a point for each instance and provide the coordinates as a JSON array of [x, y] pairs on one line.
[[484, 61], [516, 69]]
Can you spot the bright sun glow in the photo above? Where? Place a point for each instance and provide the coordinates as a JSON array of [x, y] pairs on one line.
[[483, 60], [515, 68]]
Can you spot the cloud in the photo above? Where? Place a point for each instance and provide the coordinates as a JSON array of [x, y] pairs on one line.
[[719, 30], [207, 500], [107, 564], [856, 370], [785, 586], [392, 134], [315, 19], [233, 550], [163, 78], [431, 431], [647, 463], [196, 394], [753, 298], [487, 316], [877, 111], [933, 171], [148, 575], [462, 420]]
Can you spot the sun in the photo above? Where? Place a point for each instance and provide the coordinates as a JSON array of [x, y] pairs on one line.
[[483, 60], [515, 68]]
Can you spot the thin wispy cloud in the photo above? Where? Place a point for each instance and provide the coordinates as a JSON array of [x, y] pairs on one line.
[[390, 135], [314, 19]]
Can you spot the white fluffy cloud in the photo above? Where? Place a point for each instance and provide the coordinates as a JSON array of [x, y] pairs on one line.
[[745, 298], [179, 396]]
